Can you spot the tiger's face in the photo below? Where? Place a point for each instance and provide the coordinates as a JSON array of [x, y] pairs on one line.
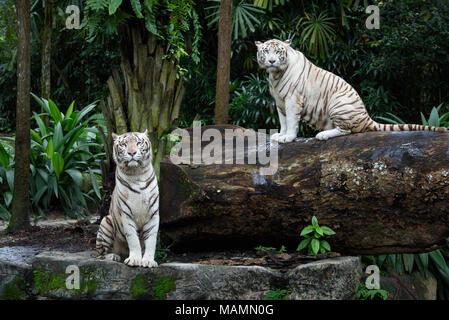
[[272, 54], [132, 149]]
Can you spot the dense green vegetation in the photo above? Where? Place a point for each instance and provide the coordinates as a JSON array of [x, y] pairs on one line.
[[400, 71]]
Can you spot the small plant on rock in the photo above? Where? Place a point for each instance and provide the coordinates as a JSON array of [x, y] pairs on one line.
[[262, 248], [313, 238]]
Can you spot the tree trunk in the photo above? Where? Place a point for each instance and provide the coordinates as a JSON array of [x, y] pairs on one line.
[[146, 94], [380, 192], [21, 194], [223, 62], [46, 53]]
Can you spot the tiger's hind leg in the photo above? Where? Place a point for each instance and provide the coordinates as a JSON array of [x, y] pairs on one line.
[[332, 133], [105, 239]]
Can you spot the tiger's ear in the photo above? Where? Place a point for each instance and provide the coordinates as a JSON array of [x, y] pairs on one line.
[[288, 41], [258, 43], [114, 136], [145, 132]]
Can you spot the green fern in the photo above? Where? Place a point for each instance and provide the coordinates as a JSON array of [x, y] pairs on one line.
[[137, 8], [97, 5]]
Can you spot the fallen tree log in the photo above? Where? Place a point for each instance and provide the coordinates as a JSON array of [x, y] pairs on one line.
[[381, 192]]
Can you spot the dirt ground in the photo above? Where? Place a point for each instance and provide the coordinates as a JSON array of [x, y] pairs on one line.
[[81, 235]]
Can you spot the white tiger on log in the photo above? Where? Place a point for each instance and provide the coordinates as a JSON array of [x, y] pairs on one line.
[[321, 99], [133, 219]]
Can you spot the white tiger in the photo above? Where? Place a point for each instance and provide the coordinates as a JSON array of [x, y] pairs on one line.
[[133, 219], [321, 99]]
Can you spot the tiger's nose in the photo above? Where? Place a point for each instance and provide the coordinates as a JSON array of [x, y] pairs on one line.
[[271, 61], [132, 153]]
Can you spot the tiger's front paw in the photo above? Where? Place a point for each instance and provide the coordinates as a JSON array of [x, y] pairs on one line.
[[149, 263], [133, 261], [112, 257], [286, 138], [323, 136], [275, 136]]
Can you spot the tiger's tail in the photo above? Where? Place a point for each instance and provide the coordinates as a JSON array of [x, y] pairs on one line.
[[105, 236], [374, 126]]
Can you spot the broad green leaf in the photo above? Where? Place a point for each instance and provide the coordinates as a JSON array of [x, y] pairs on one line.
[[307, 230], [94, 182], [76, 175], [69, 110], [438, 259], [381, 259], [68, 136], [303, 244], [43, 174], [37, 197], [423, 120], [86, 110], [113, 6], [54, 111], [408, 262], [57, 137], [7, 196], [319, 231], [434, 118], [40, 124], [324, 244], [43, 103], [35, 136], [52, 187], [315, 245], [440, 264], [74, 137], [315, 222], [444, 117], [10, 178], [327, 231], [49, 150], [58, 163], [66, 198], [79, 195], [422, 261], [4, 213]]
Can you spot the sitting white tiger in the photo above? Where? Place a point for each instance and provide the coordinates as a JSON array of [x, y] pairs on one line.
[[133, 219], [324, 101]]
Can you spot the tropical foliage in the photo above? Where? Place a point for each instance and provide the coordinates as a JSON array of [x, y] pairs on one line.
[[65, 155]]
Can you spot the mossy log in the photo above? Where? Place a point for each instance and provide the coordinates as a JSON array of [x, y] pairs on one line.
[[381, 192]]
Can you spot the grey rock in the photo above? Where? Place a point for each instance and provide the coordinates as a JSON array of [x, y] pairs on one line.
[[329, 279], [15, 262], [335, 278]]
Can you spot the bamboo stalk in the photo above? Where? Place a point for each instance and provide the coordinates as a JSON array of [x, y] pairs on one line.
[[152, 42], [117, 109], [177, 105]]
